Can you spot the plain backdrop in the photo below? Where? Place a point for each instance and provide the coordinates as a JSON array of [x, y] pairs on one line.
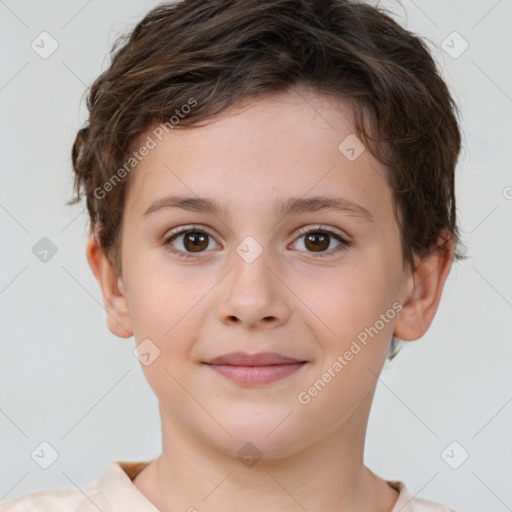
[[67, 381]]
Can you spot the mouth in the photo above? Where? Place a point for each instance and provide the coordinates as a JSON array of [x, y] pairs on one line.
[[255, 369]]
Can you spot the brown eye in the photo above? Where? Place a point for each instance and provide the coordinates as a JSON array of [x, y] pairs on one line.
[[319, 239], [317, 242], [185, 242], [194, 241]]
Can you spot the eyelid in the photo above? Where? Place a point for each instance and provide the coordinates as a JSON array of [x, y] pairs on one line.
[[182, 230], [323, 227], [344, 240], [302, 231]]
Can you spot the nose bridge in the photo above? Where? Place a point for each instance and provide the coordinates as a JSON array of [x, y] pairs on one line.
[[253, 293]]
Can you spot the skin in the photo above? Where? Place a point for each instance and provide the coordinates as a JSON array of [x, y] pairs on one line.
[[286, 301]]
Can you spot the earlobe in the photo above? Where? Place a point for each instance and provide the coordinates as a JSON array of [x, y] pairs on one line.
[[112, 289], [422, 292]]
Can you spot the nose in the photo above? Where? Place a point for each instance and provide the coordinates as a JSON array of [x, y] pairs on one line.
[[254, 295]]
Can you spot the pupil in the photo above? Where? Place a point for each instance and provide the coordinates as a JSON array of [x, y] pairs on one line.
[[315, 238], [195, 238]]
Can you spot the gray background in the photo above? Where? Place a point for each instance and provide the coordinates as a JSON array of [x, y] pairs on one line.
[[66, 380]]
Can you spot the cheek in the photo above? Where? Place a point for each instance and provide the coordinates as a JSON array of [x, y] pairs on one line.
[[165, 312], [160, 295], [350, 301], [353, 354]]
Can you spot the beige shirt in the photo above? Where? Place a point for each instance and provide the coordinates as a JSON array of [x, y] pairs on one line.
[[114, 491]]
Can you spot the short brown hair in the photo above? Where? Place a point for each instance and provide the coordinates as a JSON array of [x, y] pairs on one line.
[[220, 52]]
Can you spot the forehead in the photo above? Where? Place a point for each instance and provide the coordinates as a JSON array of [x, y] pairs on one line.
[[259, 154]]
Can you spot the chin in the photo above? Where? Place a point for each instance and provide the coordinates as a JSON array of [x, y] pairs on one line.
[[266, 439]]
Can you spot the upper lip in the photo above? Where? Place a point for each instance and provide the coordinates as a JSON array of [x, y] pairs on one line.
[[258, 359]]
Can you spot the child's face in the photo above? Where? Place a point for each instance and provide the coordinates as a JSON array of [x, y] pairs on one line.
[[287, 301]]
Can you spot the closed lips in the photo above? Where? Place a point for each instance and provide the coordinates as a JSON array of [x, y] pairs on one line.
[[257, 359], [250, 370]]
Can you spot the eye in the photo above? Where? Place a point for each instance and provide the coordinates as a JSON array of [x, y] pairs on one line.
[[195, 240], [318, 240]]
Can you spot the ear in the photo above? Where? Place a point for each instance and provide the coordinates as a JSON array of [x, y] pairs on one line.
[[112, 289], [422, 292]]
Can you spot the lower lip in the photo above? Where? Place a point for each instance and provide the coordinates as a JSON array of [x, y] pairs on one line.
[[256, 375]]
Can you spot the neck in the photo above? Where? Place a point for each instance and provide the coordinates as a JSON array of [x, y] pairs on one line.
[[326, 475]]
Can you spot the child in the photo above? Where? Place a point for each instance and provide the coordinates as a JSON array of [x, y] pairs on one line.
[[270, 186]]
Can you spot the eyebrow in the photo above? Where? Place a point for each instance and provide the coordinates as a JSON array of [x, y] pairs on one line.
[[291, 206]]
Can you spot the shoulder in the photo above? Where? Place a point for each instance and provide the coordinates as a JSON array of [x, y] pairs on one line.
[[58, 500], [408, 503], [421, 505], [87, 498], [113, 490]]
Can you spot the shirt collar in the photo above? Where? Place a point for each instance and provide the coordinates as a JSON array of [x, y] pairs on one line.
[[115, 483], [122, 495]]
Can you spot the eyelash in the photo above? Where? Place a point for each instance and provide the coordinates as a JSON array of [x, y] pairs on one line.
[[343, 246]]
